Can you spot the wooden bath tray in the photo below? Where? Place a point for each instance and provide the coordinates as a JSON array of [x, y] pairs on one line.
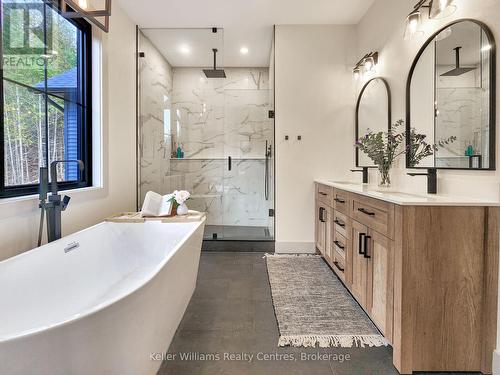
[[135, 217]]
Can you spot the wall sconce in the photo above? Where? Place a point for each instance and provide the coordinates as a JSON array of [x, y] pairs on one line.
[[436, 8], [366, 65], [94, 11]]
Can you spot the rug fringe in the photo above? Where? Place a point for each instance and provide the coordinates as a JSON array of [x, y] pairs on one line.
[[326, 341], [291, 255]]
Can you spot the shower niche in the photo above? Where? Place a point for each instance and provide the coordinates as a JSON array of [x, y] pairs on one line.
[[206, 128]]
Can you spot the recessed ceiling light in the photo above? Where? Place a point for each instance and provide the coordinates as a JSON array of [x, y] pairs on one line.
[[243, 50], [184, 49]]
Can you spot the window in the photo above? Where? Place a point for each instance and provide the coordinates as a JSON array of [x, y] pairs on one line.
[[45, 98]]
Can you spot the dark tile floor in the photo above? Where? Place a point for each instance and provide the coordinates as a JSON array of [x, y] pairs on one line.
[[231, 312]]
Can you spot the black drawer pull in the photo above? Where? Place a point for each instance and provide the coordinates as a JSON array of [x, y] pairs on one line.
[[336, 264], [339, 245], [366, 212], [322, 193], [366, 247], [339, 200], [339, 223], [360, 245]]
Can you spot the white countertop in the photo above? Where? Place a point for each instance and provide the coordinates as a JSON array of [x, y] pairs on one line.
[[407, 199]]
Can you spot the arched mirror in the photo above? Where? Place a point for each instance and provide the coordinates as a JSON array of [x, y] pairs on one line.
[[373, 113], [450, 98]]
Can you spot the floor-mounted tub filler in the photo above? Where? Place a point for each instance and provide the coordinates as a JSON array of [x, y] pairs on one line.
[[100, 301]]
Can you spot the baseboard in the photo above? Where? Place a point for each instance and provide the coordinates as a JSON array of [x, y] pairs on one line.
[[295, 247], [496, 362]]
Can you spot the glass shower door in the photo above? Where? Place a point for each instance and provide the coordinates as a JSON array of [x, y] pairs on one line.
[[248, 142]]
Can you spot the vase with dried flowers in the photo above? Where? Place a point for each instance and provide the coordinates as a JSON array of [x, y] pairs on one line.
[[179, 198], [383, 148]]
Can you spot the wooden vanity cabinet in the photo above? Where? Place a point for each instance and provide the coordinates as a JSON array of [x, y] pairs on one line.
[[324, 221], [380, 254], [427, 276], [360, 256], [372, 275], [359, 286]]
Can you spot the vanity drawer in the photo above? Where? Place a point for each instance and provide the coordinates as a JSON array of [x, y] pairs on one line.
[[325, 194], [342, 224], [338, 265], [375, 214], [341, 201], [339, 244]]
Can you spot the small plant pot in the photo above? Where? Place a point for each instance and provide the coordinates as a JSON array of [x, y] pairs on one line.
[[182, 209]]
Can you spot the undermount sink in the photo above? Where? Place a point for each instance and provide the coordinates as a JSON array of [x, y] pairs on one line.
[[400, 194], [344, 182]]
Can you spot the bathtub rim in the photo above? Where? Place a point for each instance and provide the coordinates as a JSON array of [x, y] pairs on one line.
[[97, 308]]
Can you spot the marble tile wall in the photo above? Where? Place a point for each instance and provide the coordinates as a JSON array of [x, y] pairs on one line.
[[211, 119], [222, 117], [215, 119], [461, 114], [155, 92]]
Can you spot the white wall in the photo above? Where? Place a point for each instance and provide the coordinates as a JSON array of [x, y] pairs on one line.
[[381, 29], [19, 217], [315, 99]]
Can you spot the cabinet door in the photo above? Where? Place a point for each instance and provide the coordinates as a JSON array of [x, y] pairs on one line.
[[379, 251], [320, 228], [328, 218], [359, 263]]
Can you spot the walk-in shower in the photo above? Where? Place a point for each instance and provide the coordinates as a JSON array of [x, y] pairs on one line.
[[207, 134]]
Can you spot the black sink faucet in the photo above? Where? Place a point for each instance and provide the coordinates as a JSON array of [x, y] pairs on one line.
[[431, 179], [364, 170], [56, 203]]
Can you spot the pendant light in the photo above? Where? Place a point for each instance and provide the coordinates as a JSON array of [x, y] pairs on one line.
[[365, 66], [414, 21], [441, 8], [357, 74], [94, 11], [436, 9]]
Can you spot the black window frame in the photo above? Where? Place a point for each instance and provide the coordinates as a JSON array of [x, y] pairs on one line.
[[86, 113]]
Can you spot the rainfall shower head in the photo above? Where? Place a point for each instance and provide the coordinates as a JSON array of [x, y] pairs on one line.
[[215, 73], [458, 70]]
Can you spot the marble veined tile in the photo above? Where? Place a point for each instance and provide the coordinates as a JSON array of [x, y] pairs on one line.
[[460, 116], [244, 201], [211, 119], [155, 90], [247, 126]]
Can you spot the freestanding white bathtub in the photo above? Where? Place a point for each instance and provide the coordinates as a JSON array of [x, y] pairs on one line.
[[102, 306]]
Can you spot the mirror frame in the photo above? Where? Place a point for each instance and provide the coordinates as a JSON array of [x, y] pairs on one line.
[[358, 102], [492, 103]]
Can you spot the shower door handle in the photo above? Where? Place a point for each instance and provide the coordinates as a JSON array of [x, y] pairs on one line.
[[267, 155], [229, 163]]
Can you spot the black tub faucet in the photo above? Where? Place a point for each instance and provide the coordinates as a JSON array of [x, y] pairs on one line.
[[431, 179], [56, 203], [364, 170]]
